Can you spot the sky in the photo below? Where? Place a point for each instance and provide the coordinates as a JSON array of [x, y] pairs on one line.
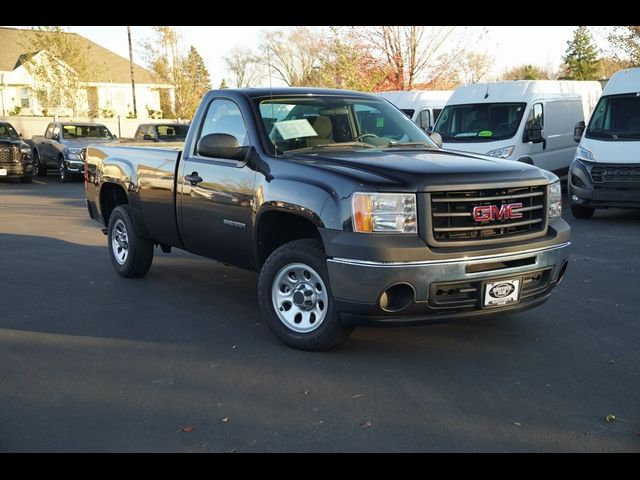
[[509, 45]]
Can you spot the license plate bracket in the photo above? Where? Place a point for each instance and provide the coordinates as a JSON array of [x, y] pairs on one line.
[[499, 293]]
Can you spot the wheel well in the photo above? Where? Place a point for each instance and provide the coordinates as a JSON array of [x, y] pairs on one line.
[[111, 195], [277, 228]]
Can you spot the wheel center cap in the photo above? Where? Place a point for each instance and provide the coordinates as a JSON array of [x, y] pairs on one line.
[[304, 297]]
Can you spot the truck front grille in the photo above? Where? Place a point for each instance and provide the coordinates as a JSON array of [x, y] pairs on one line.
[[616, 175], [453, 222], [9, 153]]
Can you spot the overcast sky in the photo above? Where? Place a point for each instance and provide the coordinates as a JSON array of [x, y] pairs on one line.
[[509, 46]]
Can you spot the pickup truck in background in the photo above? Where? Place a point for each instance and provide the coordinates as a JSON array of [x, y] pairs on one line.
[[61, 146], [161, 132], [15, 155], [349, 211]]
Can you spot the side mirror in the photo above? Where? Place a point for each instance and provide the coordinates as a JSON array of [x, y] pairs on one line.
[[221, 145], [146, 136], [534, 133], [578, 130], [429, 129], [437, 138], [56, 138], [20, 135]]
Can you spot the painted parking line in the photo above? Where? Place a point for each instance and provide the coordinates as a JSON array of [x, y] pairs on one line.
[[38, 181]]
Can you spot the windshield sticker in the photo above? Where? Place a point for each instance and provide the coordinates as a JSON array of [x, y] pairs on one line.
[[289, 129], [485, 133], [379, 122]]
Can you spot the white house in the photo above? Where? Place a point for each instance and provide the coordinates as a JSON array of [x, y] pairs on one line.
[[106, 93]]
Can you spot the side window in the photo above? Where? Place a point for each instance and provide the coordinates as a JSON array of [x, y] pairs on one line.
[[223, 116], [424, 120], [436, 114], [139, 133], [56, 131], [151, 131], [49, 132]]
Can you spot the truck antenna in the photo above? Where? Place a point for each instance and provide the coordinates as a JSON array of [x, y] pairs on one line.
[[275, 147], [486, 95]]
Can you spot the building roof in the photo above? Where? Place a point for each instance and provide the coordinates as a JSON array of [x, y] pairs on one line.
[[116, 68]]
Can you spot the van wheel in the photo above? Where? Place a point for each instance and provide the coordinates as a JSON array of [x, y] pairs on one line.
[[296, 300], [579, 211], [131, 255]]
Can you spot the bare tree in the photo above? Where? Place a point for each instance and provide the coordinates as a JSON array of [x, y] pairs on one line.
[[626, 44], [474, 66], [295, 55], [245, 66], [412, 54]]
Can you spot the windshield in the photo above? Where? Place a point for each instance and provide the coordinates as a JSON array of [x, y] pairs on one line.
[[71, 132], [309, 123], [172, 132], [479, 122], [616, 117], [7, 131]]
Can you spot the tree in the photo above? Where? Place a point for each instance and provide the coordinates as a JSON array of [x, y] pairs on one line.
[[295, 56], [626, 44], [527, 72], [245, 66], [223, 84], [473, 66], [581, 57], [196, 76], [408, 54], [607, 66], [59, 64]]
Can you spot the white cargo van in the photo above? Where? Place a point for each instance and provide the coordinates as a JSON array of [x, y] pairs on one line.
[[606, 169], [527, 120], [421, 106]]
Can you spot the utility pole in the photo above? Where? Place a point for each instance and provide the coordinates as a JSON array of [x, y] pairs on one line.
[[133, 82]]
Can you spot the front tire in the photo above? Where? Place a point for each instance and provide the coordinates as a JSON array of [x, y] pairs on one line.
[[39, 170], [131, 255], [579, 211], [296, 300]]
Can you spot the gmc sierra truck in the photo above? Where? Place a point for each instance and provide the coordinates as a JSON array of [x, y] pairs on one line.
[[350, 212]]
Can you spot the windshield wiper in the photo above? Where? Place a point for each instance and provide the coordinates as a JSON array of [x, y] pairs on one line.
[[331, 146], [422, 145], [601, 133]]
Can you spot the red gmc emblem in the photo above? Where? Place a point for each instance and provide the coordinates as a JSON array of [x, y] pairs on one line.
[[486, 213]]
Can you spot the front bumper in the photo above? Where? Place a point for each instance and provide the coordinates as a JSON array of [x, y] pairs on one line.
[[441, 290], [584, 192], [20, 169], [74, 166]]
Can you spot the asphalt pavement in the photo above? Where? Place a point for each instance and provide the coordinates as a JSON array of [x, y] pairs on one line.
[[182, 361]]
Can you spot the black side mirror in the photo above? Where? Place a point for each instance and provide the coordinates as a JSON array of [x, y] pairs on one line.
[[534, 133], [56, 137], [221, 145], [578, 130], [20, 135], [146, 136], [436, 137]]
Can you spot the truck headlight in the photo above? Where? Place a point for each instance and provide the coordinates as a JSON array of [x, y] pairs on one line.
[[584, 154], [73, 153], [384, 212], [504, 152], [555, 199], [25, 149]]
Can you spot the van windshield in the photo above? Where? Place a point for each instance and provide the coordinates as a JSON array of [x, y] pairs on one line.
[[480, 122], [616, 117]]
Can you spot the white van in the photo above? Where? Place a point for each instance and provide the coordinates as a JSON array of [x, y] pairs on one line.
[[527, 120], [606, 169], [421, 106]]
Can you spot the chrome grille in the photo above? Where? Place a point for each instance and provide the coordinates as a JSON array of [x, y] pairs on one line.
[[9, 153], [453, 223]]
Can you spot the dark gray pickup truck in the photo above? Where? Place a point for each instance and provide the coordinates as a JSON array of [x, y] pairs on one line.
[[349, 211]]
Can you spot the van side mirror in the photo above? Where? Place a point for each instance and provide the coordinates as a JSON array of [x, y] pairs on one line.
[[437, 138], [429, 129], [534, 133], [578, 130], [221, 145]]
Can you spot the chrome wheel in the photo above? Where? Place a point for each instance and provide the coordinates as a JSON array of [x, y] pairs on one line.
[[299, 297], [120, 242]]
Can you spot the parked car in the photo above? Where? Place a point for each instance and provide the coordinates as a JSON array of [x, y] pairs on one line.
[[527, 120], [15, 155], [421, 106], [161, 132], [606, 169], [62, 144], [348, 210]]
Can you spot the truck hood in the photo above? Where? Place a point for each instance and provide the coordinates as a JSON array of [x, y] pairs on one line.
[[78, 143], [417, 170], [477, 147]]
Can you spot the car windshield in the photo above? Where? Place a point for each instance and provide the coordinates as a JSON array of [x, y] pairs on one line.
[[172, 132], [71, 132], [616, 117], [479, 122], [306, 124], [7, 131]]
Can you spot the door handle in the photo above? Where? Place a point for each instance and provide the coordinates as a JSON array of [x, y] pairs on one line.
[[193, 179]]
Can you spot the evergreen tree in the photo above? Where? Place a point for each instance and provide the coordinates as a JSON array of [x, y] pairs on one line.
[[223, 84], [581, 57], [196, 81]]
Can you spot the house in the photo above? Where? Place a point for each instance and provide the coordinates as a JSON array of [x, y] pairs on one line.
[[105, 92]]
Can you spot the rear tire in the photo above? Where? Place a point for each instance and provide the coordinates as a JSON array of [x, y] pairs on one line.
[[296, 300], [131, 255], [579, 211]]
